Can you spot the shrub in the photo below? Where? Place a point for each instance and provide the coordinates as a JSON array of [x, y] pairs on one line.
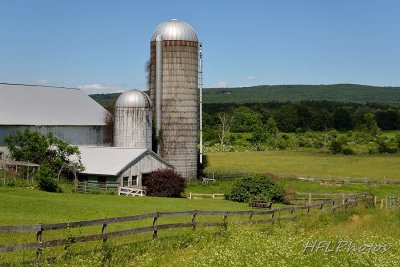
[[165, 183], [46, 182], [248, 188], [336, 147], [348, 151]]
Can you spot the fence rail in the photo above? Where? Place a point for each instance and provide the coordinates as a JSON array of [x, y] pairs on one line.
[[201, 195], [88, 187], [286, 213], [309, 197]]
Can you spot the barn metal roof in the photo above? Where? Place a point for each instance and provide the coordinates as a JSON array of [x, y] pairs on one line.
[[45, 105], [112, 160]]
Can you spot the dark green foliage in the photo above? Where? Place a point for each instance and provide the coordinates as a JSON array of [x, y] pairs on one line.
[[336, 146], [41, 149], [28, 146], [384, 147], [45, 179], [294, 93], [388, 119], [253, 187], [348, 151], [397, 138], [165, 183], [342, 120], [202, 166], [244, 119]]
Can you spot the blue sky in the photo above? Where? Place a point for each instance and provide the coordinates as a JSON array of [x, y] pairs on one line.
[[102, 46]]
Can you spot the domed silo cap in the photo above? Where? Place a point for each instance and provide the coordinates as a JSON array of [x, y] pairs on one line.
[[175, 29], [133, 99]]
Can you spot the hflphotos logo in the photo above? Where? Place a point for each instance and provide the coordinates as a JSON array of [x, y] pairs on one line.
[[332, 246]]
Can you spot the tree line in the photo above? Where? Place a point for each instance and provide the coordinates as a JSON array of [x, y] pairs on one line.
[[304, 116]]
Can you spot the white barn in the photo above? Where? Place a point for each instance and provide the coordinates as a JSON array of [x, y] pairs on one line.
[[127, 166], [68, 113]]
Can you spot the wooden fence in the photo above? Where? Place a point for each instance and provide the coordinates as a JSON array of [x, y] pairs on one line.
[[309, 198], [263, 216], [201, 195], [89, 187]]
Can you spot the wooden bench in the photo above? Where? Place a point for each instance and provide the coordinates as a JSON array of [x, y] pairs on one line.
[[260, 204]]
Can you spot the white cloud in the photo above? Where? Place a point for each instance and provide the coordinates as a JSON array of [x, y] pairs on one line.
[[221, 84], [43, 82], [250, 77], [100, 88]]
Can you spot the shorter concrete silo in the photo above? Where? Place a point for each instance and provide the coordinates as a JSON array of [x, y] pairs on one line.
[[132, 120]]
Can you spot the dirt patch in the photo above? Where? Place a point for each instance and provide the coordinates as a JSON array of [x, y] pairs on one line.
[[331, 184], [357, 218]]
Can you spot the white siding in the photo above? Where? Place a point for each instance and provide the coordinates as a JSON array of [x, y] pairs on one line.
[[145, 165]]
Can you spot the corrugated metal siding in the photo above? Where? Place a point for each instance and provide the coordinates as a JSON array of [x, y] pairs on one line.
[[132, 127], [76, 135], [145, 165], [43, 105]]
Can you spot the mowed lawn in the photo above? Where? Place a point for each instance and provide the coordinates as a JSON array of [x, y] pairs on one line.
[[29, 206], [306, 163]]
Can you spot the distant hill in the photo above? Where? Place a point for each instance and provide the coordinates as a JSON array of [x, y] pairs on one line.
[[294, 93]]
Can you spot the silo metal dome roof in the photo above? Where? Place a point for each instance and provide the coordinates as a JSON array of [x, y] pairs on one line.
[[133, 99], [175, 29]]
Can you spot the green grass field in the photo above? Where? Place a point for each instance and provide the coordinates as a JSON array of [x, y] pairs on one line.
[[307, 164], [281, 244], [258, 245], [30, 206]]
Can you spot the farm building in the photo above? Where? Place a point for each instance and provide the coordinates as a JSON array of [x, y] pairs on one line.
[[68, 113], [174, 92], [127, 166], [173, 104]]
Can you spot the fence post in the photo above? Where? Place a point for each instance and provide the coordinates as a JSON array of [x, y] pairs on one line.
[[104, 231], [39, 243], [190, 195], [309, 198], [374, 200], [225, 220], [381, 203], [343, 196], [251, 215], [155, 228], [386, 202], [194, 219]]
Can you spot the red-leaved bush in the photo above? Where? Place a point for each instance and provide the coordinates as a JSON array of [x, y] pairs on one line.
[[165, 183]]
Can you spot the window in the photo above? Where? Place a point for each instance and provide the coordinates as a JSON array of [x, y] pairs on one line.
[[125, 181], [134, 182]]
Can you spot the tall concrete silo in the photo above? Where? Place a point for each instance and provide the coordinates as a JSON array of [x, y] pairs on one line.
[[173, 77], [132, 120]]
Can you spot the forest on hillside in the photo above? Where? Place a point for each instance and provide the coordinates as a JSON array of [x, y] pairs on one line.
[[293, 93], [349, 124]]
